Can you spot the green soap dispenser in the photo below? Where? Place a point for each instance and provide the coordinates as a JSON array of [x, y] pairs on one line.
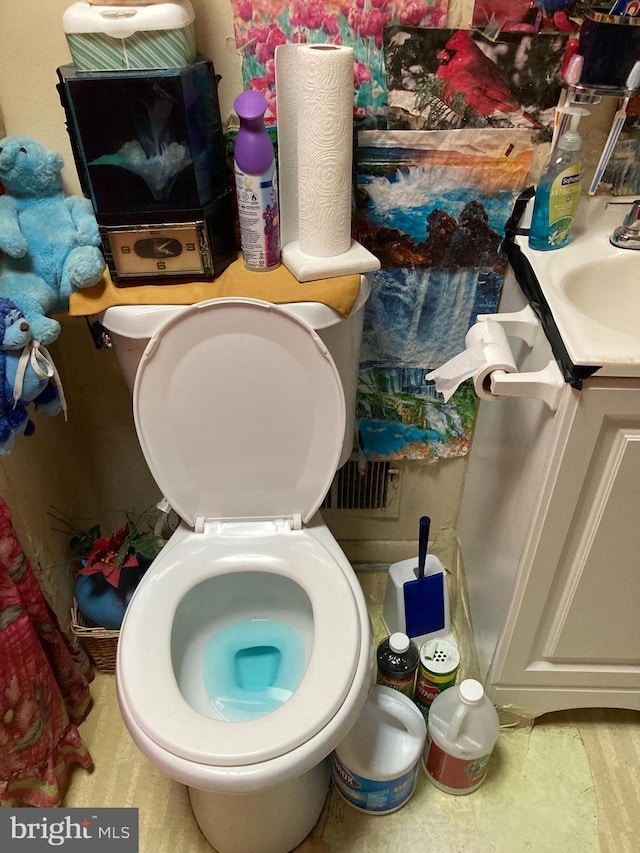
[[558, 192]]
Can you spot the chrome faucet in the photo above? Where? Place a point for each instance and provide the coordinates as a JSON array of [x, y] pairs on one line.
[[627, 236]]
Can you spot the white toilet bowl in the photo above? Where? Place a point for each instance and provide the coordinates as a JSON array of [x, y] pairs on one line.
[[246, 651], [255, 785]]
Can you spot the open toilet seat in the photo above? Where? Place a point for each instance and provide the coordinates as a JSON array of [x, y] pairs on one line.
[[147, 677], [240, 412]]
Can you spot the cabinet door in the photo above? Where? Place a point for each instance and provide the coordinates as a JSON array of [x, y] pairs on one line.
[[574, 628]]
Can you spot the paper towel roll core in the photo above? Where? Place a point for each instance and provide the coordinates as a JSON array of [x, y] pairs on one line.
[[486, 349]]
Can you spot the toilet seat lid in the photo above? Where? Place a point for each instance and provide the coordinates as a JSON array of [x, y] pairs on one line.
[[240, 412]]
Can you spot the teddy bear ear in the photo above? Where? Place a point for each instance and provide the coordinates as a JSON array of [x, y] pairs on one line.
[[54, 161]]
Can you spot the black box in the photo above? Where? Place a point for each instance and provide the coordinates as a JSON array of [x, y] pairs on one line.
[[150, 151]]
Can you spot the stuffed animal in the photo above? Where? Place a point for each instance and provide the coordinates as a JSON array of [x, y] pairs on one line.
[[27, 375], [13, 413], [49, 239]]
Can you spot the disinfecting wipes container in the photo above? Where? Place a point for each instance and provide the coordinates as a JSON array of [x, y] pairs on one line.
[[375, 767], [118, 38]]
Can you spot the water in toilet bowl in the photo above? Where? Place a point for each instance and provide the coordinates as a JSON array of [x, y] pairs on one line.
[[252, 667]]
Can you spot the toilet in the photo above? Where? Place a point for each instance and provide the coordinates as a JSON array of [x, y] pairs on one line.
[[245, 654]]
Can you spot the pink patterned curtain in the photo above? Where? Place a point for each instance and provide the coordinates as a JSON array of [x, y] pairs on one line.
[[44, 686]]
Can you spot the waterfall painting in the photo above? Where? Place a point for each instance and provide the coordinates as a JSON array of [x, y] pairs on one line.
[[432, 207]]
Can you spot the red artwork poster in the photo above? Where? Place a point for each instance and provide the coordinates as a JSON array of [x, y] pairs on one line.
[[494, 16], [446, 79], [261, 25]]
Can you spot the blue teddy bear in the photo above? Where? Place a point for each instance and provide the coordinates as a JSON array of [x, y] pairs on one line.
[[49, 239], [14, 420], [25, 377]]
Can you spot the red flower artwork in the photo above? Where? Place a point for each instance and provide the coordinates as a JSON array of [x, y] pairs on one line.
[[261, 25]]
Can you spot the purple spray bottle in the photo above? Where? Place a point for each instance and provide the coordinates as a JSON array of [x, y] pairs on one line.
[[256, 185]]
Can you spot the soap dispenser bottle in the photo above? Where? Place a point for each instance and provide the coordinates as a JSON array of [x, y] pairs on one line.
[[558, 192]]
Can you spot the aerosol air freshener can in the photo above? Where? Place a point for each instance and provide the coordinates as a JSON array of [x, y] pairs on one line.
[[437, 670], [256, 185]]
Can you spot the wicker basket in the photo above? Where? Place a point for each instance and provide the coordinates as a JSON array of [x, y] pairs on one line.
[[101, 643]]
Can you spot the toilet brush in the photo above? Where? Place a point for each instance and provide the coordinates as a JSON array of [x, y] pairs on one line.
[[424, 607]]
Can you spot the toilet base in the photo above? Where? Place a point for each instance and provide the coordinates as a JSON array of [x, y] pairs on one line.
[[272, 821]]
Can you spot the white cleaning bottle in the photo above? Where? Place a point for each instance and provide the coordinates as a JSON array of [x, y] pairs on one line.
[[558, 193], [462, 731]]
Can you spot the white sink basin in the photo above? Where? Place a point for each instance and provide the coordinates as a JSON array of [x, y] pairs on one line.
[[593, 289], [608, 291]]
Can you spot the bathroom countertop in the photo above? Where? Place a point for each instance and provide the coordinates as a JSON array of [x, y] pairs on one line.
[[590, 289]]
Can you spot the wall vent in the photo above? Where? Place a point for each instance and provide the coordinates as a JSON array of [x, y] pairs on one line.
[[370, 488]]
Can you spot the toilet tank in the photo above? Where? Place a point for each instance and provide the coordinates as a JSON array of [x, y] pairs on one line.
[[131, 326]]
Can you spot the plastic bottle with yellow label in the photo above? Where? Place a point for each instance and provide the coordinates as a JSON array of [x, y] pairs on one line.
[[558, 193]]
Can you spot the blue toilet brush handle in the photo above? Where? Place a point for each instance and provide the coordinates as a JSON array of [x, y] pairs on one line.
[[423, 541]]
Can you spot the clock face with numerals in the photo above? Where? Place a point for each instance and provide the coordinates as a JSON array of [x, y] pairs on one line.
[[156, 251]]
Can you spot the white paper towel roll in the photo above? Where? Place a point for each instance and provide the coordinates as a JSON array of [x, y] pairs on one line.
[[314, 87], [325, 149], [486, 349]]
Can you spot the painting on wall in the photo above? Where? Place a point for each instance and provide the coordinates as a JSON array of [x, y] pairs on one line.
[[493, 16], [439, 79], [432, 206], [261, 25]]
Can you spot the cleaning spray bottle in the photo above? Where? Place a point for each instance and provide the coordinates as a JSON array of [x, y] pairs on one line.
[[558, 192], [256, 185]]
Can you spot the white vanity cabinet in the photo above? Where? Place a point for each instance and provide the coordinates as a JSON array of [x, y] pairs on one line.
[[549, 534]]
